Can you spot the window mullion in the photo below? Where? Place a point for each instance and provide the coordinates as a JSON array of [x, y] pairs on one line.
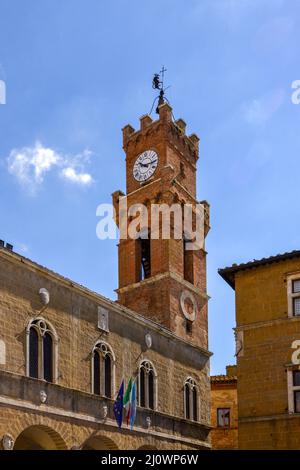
[[102, 375], [147, 389], [40, 357], [191, 402]]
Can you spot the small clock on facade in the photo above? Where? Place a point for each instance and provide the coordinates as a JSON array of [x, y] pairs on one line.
[[145, 165]]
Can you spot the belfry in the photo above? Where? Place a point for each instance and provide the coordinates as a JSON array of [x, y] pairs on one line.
[[160, 277]]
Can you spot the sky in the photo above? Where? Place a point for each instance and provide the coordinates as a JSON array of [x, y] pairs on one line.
[[77, 71]]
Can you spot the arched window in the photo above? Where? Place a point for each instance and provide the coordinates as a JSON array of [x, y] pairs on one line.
[[188, 274], [190, 398], [42, 343], [147, 385], [144, 258], [103, 363]]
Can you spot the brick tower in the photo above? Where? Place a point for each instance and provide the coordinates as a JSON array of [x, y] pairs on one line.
[[159, 278]]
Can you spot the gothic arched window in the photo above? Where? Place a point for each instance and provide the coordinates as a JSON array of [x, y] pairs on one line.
[[103, 363], [190, 398], [42, 343], [147, 385]]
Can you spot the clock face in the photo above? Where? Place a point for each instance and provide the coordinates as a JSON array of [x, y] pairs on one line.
[[145, 165]]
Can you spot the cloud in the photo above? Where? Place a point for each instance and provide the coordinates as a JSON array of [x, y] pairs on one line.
[[80, 178], [30, 165], [260, 110]]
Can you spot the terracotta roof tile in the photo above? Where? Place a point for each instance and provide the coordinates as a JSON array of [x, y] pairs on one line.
[[228, 273]]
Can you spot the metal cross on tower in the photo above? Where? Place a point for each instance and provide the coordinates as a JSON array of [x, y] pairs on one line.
[[158, 84]]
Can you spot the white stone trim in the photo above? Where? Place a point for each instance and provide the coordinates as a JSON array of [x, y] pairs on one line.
[[291, 389], [155, 385], [192, 383], [2, 352], [51, 330], [113, 368], [291, 296]]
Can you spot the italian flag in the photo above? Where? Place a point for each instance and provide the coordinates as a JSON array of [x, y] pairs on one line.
[[126, 400]]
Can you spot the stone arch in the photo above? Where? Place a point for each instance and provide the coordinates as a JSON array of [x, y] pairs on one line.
[[147, 447], [39, 437], [99, 443]]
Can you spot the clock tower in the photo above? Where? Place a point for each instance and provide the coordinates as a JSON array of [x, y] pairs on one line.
[[159, 277]]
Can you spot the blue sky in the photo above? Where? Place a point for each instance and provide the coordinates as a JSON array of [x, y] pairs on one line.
[[77, 71]]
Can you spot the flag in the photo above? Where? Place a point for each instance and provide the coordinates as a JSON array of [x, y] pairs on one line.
[[118, 405], [127, 401], [133, 405]]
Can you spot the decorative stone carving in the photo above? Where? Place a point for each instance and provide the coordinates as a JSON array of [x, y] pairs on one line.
[[148, 340], [7, 442], [188, 305], [104, 411], [43, 396], [44, 296], [239, 343], [103, 319], [148, 422]]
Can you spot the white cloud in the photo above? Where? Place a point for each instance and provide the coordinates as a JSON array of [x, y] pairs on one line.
[[31, 164], [80, 178], [260, 110]]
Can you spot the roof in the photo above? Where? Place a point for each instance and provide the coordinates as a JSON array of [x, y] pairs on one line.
[[222, 379], [228, 274]]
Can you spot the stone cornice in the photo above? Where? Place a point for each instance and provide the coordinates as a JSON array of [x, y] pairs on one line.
[[161, 276], [266, 323]]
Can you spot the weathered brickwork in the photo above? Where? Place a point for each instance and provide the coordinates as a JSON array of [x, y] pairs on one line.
[[174, 182], [265, 332]]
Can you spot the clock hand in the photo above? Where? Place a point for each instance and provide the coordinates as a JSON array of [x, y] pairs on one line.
[[144, 165]]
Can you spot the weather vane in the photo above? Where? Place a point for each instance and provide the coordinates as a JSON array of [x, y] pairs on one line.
[[158, 84]]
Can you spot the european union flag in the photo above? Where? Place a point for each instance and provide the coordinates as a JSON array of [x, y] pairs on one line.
[[118, 405]]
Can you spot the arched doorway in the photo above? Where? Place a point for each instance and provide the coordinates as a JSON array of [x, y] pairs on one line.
[[39, 438], [100, 443]]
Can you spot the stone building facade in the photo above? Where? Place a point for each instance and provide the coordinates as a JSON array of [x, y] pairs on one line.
[[224, 410], [64, 349], [268, 350]]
